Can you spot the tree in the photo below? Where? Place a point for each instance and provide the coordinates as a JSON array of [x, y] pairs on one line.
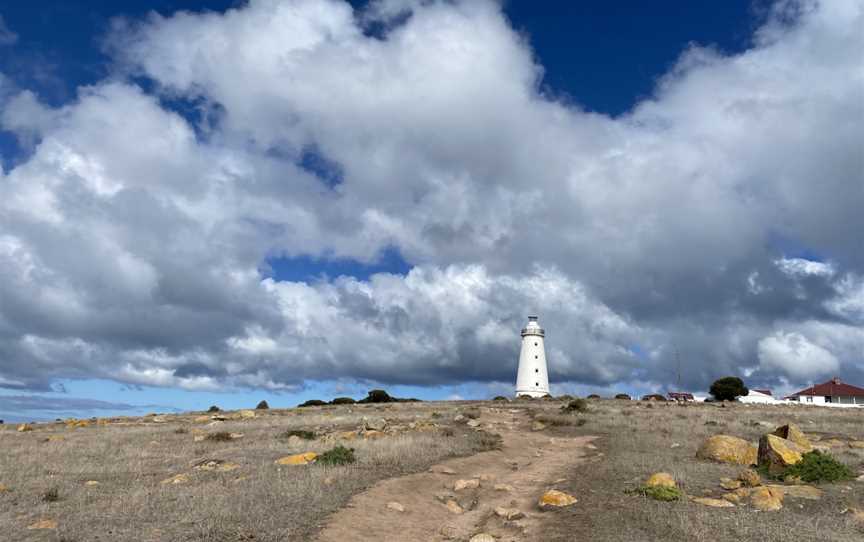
[[262, 406], [728, 388]]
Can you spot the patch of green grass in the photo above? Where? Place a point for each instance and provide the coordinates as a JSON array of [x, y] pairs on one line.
[[658, 493], [818, 467], [305, 435], [340, 455]]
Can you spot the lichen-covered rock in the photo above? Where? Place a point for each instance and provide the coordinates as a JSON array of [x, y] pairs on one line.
[[729, 483], [728, 449], [766, 498], [799, 491], [471, 483], [556, 499], [775, 453], [509, 514], [297, 459], [750, 478], [661, 479], [793, 432], [715, 503]]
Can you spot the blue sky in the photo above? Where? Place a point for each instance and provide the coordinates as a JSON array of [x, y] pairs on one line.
[[385, 212]]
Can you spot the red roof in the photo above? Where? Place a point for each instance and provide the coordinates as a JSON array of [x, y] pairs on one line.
[[677, 395], [832, 388]]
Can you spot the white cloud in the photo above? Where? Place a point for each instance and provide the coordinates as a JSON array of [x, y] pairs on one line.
[[132, 240], [794, 355]]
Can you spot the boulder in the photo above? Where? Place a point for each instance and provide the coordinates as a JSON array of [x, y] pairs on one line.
[[297, 459], [857, 444], [247, 414], [799, 491], [555, 499], [793, 432], [715, 503], [473, 423], [218, 465], [660, 479], [376, 424], [294, 441], [728, 449], [395, 506], [91, 483], [729, 483], [24, 428], [766, 499], [775, 453]]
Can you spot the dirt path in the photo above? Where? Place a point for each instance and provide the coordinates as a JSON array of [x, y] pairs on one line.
[[529, 463]]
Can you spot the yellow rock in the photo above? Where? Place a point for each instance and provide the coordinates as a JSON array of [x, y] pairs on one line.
[[776, 453], [799, 492], [742, 492], [91, 483], [729, 483], [766, 499], [4, 488], [556, 499], [454, 507], [395, 506], [750, 478], [43, 524], [661, 479], [102, 421], [728, 449], [297, 459], [732, 497], [25, 427], [716, 503], [793, 432], [176, 479], [471, 483], [247, 414]]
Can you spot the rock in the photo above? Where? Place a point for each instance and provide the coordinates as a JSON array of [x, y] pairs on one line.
[[776, 453], [459, 418], [857, 444], [377, 424], [482, 537], [91, 483], [793, 433], [661, 479], [732, 497], [438, 469], [395, 506], [799, 492], [373, 434], [176, 479], [294, 441], [449, 532], [766, 499], [538, 426], [199, 438], [750, 478], [154, 419], [509, 513], [857, 515], [471, 483], [729, 483], [219, 417], [473, 423], [716, 503], [4, 488], [235, 436], [297, 459], [216, 465], [675, 445], [247, 414], [24, 428], [555, 499], [453, 507], [503, 487], [728, 449], [43, 524]]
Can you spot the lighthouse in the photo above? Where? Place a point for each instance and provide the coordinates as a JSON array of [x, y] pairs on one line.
[[532, 378]]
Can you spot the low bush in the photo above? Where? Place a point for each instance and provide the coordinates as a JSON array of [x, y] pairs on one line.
[[52, 494], [181, 431], [593, 396], [623, 396], [818, 467], [500, 398], [659, 493], [566, 397], [377, 396], [489, 442], [262, 406], [219, 436], [305, 435], [214, 408], [312, 402], [576, 405], [340, 455], [343, 401]]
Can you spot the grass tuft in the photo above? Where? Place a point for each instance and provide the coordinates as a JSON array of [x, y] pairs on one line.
[[305, 435], [220, 436], [576, 405], [658, 493]]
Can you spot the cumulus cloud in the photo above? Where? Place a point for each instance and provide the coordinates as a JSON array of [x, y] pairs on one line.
[[134, 241]]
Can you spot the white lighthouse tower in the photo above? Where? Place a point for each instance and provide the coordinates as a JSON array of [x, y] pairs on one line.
[[532, 378]]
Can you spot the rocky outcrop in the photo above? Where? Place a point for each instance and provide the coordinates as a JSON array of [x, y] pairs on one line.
[[728, 449], [793, 432], [776, 454]]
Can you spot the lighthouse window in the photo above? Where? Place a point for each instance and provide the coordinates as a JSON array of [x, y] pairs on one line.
[[536, 370], [535, 344], [535, 357], [537, 384]]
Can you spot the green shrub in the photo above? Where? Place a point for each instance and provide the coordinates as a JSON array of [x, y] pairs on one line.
[[312, 402], [305, 435], [817, 467], [377, 396], [340, 455], [576, 405], [728, 388], [343, 401], [659, 493]]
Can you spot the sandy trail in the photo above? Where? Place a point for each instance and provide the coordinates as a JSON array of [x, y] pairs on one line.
[[530, 462]]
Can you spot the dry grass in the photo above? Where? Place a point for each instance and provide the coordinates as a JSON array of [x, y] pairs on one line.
[[637, 441], [257, 501]]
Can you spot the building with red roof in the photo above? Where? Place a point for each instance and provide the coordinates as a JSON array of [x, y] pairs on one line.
[[833, 392]]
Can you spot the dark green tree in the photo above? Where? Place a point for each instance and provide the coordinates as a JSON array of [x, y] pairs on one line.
[[728, 388]]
